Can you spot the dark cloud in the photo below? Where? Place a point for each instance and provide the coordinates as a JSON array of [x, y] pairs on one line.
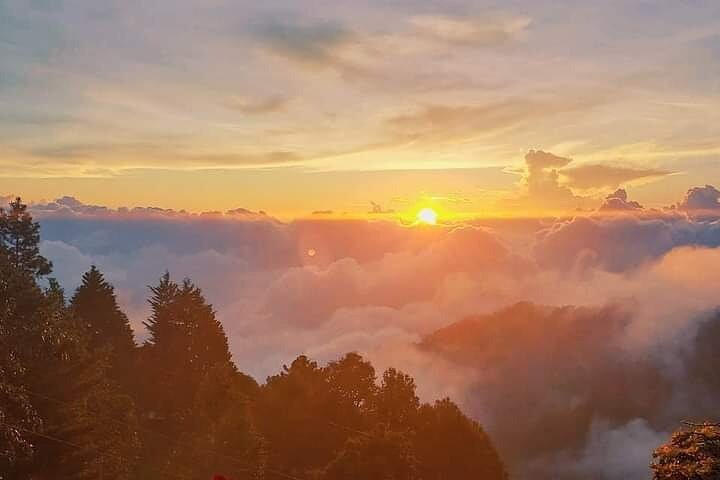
[[618, 202], [701, 198], [311, 43], [541, 389], [619, 243]]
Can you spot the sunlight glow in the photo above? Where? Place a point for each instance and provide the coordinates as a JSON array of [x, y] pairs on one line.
[[427, 216]]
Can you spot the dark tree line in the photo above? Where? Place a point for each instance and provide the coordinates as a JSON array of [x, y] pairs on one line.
[[80, 400]]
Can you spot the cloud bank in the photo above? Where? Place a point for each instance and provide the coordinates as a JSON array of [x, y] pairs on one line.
[[607, 349]]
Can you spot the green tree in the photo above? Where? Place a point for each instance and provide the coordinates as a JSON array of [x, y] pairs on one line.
[[449, 445], [397, 401], [221, 434], [53, 376], [193, 397], [18, 417], [20, 239], [693, 453], [295, 410], [95, 307], [380, 455], [87, 413]]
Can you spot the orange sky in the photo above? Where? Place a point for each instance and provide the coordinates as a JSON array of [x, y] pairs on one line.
[[290, 109]]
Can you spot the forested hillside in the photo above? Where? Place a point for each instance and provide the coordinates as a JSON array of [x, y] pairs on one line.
[[79, 399]]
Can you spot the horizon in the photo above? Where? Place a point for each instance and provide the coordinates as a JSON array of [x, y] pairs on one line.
[[321, 240]]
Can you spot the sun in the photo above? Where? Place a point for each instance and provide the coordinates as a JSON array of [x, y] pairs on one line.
[[427, 216]]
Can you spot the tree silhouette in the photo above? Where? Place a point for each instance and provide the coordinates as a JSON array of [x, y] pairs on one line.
[[95, 307], [20, 239], [449, 445]]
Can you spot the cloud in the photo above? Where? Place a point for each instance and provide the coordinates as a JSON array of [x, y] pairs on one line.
[[437, 123], [619, 244], [623, 368], [588, 177], [616, 451], [618, 202], [363, 53], [615, 342], [313, 44], [543, 190], [701, 198], [263, 106], [470, 32]]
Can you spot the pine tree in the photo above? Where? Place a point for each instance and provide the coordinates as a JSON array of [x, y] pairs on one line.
[[54, 376], [184, 362], [95, 307], [20, 239]]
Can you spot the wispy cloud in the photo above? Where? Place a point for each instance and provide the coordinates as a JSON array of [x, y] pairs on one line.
[[261, 106], [607, 176]]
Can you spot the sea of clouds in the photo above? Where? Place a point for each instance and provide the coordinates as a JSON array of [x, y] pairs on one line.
[[581, 382]]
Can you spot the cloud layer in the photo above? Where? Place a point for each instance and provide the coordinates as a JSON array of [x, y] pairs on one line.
[[606, 353]]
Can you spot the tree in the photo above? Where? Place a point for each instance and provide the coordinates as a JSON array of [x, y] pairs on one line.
[[54, 391], [693, 453], [222, 435], [381, 455], [295, 413], [89, 423], [95, 307], [20, 239], [397, 402], [449, 445], [186, 342], [18, 418], [186, 353]]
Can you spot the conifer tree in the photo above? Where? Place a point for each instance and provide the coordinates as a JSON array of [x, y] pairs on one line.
[[191, 392], [54, 377], [20, 240], [95, 307]]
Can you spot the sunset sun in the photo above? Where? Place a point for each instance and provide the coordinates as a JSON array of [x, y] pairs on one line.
[[428, 216]]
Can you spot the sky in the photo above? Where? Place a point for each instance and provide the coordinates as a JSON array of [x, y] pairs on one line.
[[267, 150], [347, 108]]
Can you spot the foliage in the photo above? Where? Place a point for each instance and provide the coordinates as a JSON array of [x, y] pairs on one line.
[[381, 455], [693, 453], [20, 239]]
